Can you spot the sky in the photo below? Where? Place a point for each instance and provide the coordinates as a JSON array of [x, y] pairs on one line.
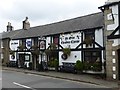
[[41, 12]]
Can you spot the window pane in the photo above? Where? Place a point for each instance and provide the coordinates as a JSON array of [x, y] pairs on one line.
[[87, 54]]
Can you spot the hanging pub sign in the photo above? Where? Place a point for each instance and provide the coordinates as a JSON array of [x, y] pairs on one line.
[[28, 43], [14, 44], [12, 57], [42, 44]]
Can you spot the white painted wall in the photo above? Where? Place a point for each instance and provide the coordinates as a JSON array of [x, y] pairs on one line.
[[99, 37], [115, 13], [73, 39], [71, 58], [116, 42], [47, 42], [115, 25]]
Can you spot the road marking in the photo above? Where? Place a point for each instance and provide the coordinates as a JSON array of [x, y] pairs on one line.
[[21, 85]]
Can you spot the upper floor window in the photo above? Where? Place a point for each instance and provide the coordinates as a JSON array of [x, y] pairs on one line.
[[55, 40], [89, 34], [88, 38]]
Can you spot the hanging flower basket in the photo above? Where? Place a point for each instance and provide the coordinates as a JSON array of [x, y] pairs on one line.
[[51, 50], [53, 46], [35, 47], [67, 51], [35, 52], [47, 52], [21, 47], [88, 41]]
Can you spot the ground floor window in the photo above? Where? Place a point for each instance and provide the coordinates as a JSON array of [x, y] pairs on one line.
[[92, 60]]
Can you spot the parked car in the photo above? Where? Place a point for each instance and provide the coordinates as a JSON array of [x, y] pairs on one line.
[[68, 67], [12, 64]]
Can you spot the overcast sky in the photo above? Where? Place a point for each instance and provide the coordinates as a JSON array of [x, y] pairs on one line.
[[42, 12]]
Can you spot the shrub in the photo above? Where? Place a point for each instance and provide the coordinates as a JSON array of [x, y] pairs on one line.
[[96, 67], [56, 63], [79, 66], [87, 66]]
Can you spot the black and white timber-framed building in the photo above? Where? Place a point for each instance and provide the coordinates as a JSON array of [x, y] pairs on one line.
[[91, 38]]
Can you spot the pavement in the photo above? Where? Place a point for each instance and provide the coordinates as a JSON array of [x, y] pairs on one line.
[[86, 78]]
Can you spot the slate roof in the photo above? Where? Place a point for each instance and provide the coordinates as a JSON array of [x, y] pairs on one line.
[[80, 23]]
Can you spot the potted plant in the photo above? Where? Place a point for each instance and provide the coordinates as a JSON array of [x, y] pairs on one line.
[[79, 66]]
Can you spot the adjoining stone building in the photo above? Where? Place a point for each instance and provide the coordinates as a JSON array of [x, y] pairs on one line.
[[111, 11]]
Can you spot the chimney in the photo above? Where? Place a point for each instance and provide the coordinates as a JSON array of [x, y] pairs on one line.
[[9, 27], [26, 24]]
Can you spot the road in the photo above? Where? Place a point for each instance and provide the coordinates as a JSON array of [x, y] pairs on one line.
[[12, 79]]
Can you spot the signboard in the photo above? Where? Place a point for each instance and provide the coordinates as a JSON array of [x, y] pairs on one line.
[[12, 57], [42, 44], [70, 40], [28, 43], [14, 44]]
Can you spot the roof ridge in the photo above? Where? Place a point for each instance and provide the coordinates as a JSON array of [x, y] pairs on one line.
[[67, 20]]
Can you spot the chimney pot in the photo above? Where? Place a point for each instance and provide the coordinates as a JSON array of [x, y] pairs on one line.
[[9, 27]]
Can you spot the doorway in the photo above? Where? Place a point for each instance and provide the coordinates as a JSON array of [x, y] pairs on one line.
[[21, 60]]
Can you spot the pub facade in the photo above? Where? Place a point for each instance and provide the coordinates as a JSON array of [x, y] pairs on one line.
[[91, 39]]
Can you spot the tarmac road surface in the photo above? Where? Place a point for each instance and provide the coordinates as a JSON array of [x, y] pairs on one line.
[[12, 79]]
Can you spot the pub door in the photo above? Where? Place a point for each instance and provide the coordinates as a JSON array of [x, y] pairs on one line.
[[21, 60]]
